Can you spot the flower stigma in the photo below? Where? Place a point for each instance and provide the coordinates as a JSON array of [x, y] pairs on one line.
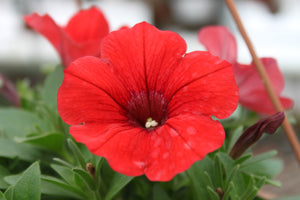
[[151, 123]]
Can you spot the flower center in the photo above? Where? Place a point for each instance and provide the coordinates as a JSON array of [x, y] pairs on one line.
[[147, 110], [151, 123]]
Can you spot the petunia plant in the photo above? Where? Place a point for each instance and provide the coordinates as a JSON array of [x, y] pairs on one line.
[[131, 115]]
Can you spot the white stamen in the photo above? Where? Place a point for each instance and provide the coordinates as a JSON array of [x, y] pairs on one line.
[[151, 123]]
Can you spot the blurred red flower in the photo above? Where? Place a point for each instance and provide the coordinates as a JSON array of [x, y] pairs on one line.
[[145, 105], [80, 37], [220, 42]]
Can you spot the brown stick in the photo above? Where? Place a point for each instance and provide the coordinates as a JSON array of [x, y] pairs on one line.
[[265, 79]]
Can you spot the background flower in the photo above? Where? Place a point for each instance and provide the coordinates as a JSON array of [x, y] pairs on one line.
[[220, 42], [9, 91], [144, 105], [80, 37]]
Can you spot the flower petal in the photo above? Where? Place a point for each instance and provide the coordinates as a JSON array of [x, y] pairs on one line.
[[160, 154], [183, 140], [253, 92], [67, 49], [81, 37], [87, 25], [203, 84], [253, 101], [219, 41], [143, 56], [248, 79], [47, 27], [124, 147], [90, 92]]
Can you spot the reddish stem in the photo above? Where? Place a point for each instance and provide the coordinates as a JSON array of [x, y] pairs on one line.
[[265, 79]]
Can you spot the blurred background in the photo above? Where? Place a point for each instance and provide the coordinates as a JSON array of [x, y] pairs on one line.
[[273, 26]]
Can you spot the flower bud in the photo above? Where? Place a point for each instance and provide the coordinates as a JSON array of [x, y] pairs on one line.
[[253, 133]]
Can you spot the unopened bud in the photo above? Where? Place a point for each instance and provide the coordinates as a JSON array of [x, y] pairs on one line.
[[253, 133]]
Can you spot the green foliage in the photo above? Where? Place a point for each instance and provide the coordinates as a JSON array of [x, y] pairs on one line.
[[27, 187], [118, 182], [51, 85]]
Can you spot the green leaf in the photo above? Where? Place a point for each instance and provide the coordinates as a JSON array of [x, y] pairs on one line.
[[233, 137], [18, 123], [273, 182], [2, 196], [119, 181], [63, 162], [51, 85], [263, 166], [65, 172], [258, 158], [229, 190], [159, 193], [218, 172], [55, 187], [213, 195], [86, 177], [11, 149], [12, 179], [243, 158], [227, 162], [196, 175], [51, 141], [77, 153], [28, 187], [28, 95], [268, 168], [232, 175], [3, 172]]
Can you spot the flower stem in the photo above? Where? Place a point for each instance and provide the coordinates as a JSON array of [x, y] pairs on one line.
[[265, 79]]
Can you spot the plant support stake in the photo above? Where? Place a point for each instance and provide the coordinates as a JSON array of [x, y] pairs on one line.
[[265, 79]]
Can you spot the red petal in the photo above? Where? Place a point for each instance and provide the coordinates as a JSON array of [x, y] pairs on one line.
[[248, 79], [203, 84], [90, 92], [143, 56], [86, 36], [252, 91], [124, 146], [47, 27], [87, 25], [66, 48], [219, 41], [160, 154], [253, 101], [183, 140]]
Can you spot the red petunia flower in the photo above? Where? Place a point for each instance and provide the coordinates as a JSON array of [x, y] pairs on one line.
[[220, 42], [145, 105], [81, 37]]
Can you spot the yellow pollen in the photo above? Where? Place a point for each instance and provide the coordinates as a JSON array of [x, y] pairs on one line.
[[151, 123]]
